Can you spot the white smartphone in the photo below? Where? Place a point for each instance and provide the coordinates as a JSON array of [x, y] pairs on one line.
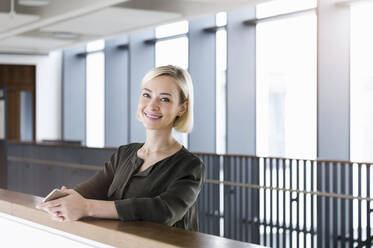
[[55, 194]]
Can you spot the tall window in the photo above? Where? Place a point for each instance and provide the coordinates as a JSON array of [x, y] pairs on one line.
[[286, 60], [361, 83], [361, 100], [221, 82], [95, 94], [172, 49], [286, 81]]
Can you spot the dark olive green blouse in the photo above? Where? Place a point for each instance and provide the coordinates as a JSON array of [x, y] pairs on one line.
[[166, 192]]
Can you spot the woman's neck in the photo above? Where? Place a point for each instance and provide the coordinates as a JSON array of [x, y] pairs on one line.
[[159, 141]]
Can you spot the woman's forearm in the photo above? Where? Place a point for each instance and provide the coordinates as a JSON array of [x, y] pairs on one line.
[[101, 209]]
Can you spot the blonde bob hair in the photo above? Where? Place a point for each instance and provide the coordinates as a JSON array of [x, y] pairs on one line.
[[183, 80]]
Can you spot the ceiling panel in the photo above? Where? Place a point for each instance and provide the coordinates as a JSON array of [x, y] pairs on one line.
[[31, 43], [110, 21], [9, 21]]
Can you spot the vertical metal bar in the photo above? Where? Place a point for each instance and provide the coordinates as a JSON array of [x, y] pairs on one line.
[[271, 203], [233, 203], [291, 227], [327, 205], [226, 197], [350, 206], [343, 182], [239, 200], [369, 236], [209, 194], [304, 203], [298, 201], [283, 203], [248, 218], [202, 204], [335, 177], [320, 201], [255, 204], [312, 202], [216, 159], [265, 202], [277, 205], [359, 204]]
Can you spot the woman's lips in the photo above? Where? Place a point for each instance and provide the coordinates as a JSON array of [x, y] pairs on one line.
[[152, 116]]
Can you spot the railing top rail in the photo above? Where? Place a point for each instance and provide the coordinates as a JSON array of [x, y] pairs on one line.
[[284, 158], [214, 154]]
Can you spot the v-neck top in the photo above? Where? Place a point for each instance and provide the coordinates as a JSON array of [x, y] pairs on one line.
[[166, 192]]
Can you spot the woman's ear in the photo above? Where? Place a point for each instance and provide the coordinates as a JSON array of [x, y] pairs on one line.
[[183, 108]]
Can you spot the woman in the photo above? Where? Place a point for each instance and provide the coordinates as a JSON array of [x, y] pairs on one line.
[[158, 180]]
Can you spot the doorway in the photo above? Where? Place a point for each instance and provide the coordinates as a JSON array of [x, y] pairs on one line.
[[20, 82]]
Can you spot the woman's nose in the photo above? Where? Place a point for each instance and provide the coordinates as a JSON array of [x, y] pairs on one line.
[[153, 104]]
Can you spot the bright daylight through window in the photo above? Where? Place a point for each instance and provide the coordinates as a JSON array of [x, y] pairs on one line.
[[95, 94], [173, 51]]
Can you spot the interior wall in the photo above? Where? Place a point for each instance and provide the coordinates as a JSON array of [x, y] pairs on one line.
[[48, 91]]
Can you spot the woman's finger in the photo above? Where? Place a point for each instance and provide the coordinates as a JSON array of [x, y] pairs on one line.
[[55, 209]]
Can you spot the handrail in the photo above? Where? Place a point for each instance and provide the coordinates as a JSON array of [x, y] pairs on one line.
[[211, 154], [113, 232]]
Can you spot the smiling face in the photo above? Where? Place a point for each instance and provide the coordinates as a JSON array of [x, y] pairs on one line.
[[159, 103]]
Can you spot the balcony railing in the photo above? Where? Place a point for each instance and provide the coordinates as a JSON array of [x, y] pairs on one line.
[[276, 202], [281, 202]]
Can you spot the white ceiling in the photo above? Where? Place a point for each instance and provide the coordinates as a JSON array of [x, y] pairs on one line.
[[31, 29]]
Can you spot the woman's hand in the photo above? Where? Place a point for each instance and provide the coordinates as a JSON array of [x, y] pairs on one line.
[[67, 208]]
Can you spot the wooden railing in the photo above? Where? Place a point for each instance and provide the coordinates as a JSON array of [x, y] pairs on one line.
[[108, 232], [277, 202]]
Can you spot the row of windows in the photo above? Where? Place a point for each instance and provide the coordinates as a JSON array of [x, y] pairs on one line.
[[286, 76]]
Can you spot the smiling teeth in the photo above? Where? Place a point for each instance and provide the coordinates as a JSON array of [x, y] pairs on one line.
[[153, 116]]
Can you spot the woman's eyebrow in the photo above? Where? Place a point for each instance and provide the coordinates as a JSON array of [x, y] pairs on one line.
[[164, 93], [167, 94]]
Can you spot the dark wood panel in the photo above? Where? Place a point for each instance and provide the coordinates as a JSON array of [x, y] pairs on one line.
[[3, 164], [17, 78], [14, 119]]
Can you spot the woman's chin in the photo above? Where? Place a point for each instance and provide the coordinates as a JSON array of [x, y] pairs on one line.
[[154, 127]]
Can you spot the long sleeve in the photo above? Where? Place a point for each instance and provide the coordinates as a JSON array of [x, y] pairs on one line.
[[97, 186], [171, 205]]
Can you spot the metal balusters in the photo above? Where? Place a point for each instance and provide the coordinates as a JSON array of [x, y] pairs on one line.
[[255, 205], [271, 203], [312, 203], [277, 205], [239, 198], [342, 184], [227, 199], [234, 202], [350, 206], [209, 202], [284, 203], [304, 203], [297, 201], [320, 202], [291, 227], [327, 205], [231, 203], [246, 169], [202, 205], [335, 209], [336, 214], [369, 235], [216, 203], [265, 202], [359, 205]]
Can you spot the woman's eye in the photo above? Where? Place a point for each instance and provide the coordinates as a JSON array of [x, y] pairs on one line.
[[146, 95], [165, 99]]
